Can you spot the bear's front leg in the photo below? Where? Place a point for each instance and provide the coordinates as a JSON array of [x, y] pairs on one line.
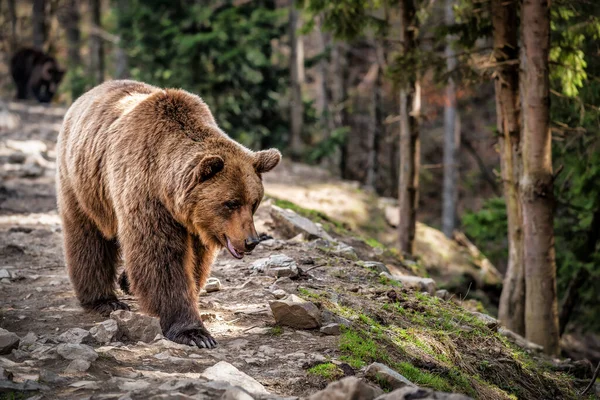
[[159, 261]]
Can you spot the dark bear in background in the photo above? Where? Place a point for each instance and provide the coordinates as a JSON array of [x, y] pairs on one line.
[[35, 73]]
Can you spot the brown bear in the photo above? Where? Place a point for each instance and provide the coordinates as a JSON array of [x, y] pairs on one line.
[[147, 174]]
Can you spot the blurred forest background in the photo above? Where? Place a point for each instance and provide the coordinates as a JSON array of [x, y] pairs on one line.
[[427, 101]]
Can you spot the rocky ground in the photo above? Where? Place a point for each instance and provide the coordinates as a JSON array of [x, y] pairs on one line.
[[317, 311]]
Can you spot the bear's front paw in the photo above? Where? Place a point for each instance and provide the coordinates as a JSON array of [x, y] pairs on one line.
[[197, 336], [105, 307]]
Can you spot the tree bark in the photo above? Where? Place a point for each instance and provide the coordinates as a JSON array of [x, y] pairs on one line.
[[38, 17], [12, 15], [322, 98], [296, 80], [506, 53], [451, 137], [121, 64], [410, 148], [96, 44], [537, 195], [339, 96]]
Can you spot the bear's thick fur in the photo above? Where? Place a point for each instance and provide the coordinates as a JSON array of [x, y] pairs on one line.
[[147, 175]]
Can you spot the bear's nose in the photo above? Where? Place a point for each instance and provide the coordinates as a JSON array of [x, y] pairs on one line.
[[251, 242]]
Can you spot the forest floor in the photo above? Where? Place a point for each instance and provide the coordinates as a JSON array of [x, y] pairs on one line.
[[432, 338]]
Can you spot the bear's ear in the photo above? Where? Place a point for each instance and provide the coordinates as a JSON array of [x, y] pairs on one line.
[[209, 166], [266, 160]]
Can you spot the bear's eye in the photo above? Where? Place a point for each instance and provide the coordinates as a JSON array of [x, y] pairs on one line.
[[232, 205]]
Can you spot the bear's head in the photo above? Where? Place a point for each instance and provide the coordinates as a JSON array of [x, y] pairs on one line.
[[222, 194]]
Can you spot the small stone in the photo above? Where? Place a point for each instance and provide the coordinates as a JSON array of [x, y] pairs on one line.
[[413, 282], [5, 375], [443, 294], [331, 329], [346, 388], [377, 266], [491, 322], [378, 372], [28, 340], [71, 351], [8, 341], [16, 158], [330, 318], [345, 251], [4, 274], [411, 392], [279, 293], [77, 366], [137, 327], [296, 312], [212, 285], [223, 371], [105, 332], [277, 265], [50, 377], [75, 336]]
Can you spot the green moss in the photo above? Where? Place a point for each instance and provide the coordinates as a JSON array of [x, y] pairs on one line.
[[276, 331], [423, 378], [14, 395], [309, 293], [359, 350], [327, 371], [374, 243], [384, 280]]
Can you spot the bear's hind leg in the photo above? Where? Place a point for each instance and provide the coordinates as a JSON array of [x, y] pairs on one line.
[[91, 261]]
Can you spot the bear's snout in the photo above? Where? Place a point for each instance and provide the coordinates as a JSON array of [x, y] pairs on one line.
[[251, 243]]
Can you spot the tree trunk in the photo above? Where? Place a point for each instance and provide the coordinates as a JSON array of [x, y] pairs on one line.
[[339, 69], [121, 64], [537, 195], [12, 15], [451, 137], [322, 98], [506, 53], [38, 17], [374, 130], [96, 44], [296, 80], [410, 109]]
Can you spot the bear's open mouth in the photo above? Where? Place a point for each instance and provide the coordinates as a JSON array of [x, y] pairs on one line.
[[232, 249]]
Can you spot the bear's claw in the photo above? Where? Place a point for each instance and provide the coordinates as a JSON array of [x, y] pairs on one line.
[[105, 307], [196, 336]]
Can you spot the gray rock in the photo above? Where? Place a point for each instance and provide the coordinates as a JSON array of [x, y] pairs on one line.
[[379, 372], [105, 332], [347, 388], [279, 293], [296, 312], [235, 393], [345, 251], [5, 375], [377, 266], [212, 285], [327, 317], [75, 336], [223, 371], [137, 327], [413, 282], [277, 265], [443, 294], [27, 385], [28, 341], [413, 393], [17, 158], [50, 377], [491, 322], [331, 329], [71, 351], [8, 341], [4, 274], [292, 224], [77, 366]]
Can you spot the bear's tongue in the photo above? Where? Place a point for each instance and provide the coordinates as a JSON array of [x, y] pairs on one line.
[[232, 250]]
